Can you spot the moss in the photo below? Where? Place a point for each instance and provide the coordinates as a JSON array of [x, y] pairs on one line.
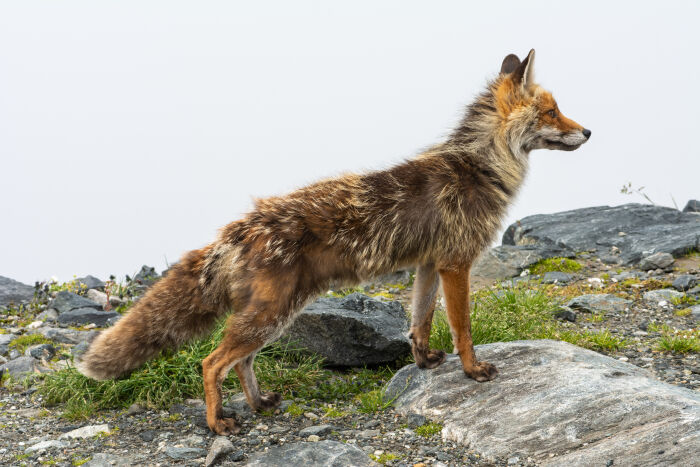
[[385, 457], [23, 342], [429, 429], [555, 264]]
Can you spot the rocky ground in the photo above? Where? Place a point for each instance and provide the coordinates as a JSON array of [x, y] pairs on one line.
[[641, 295]]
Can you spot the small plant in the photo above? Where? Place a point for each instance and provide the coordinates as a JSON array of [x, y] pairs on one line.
[[555, 264], [683, 312], [345, 292], [23, 342], [332, 412], [173, 417], [684, 300], [384, 458], [628, 190], [596, 317], [603, 340], [678, 341], [429, 429], [294, 410], [70, 286], [77, 461], [374, 401]]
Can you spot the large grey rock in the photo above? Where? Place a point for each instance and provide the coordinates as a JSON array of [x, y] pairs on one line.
[[695, 312], [91, 282], [553, 398], [684, 282], [352, 331], [661, 294], [647, 229], [658, 260], [13, 292], [507, 261], [67, 336], [219, 448], [66, 301], [593, 303], [86, 316], [22, 366], [692, 205], [5, 340], [320, 454], [557, 277]]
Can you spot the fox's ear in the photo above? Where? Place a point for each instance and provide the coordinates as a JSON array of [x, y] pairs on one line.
[[510, 63], [524, 74]]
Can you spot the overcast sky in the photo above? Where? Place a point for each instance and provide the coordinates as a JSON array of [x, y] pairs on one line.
[[131, 131]]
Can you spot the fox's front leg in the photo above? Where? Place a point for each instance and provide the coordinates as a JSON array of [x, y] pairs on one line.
[[424, 291], [455, 286]]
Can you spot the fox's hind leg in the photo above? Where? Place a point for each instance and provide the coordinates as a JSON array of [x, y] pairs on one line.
[[455, 285], [246, 333], [424, 290]]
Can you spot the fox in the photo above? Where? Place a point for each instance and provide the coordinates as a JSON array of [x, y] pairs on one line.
[[435, 212]]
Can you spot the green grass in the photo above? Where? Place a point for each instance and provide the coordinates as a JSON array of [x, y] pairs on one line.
[[294, 410], [23, 342], [683, 312], [555, 264], [333, 412], [385, 457], [429, 429], [519, 313], [374, 401], [680, 342], [345, 292], [684, 300]]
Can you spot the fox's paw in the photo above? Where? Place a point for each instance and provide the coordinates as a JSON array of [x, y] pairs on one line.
[[224, 426], [431, 359], [481, 371], [270, 400]]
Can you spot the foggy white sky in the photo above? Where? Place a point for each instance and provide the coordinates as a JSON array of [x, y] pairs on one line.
[[131, 131]]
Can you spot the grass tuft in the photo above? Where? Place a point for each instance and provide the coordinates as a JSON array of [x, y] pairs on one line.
[[429, 429], [385, 457], [23, 342]]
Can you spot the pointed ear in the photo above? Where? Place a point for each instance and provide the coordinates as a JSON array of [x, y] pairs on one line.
[[510, 63], [524, 74]]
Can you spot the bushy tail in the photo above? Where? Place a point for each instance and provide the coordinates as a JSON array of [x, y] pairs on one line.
[[172, 312]]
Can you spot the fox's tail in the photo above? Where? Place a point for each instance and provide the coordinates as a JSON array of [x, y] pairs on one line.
[[172, 312]]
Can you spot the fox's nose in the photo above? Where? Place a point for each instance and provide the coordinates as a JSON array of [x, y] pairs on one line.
[[587, 133]]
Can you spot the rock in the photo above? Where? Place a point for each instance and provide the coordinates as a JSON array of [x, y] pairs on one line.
[[648, 229], [5, 340], [684, 282], [656, 296], [101, 298], [507, 261], [565, 313], [352, 331], [85, 432], [22, 366], [102, 459], [415, 420], [135, 409], [147, 435], [319, 454], [14, 293], [239, 405], [91, 282], [692, 205], [78, 349], [50, 315], [67, 336], [556, 277], [553, 398], [657, 260], [45, 446], [593, 303], [180, 453], [219, 448], [146, 276], [41, 352], [66, 301], [86, 316], [319, 430], [314, 438], [695, 312]]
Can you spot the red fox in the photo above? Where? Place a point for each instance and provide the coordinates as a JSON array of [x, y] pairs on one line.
[[437, 212]]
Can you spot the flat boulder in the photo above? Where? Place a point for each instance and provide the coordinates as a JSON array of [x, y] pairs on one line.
[[595, 303], [637, 230], [319, 454], [13, 292], [66, 301], [354, 330], [83, 316], [558, 404], [505, 261]]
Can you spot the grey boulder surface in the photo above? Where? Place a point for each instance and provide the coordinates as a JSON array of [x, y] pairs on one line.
[[564, 405], [637, 230], [593, 303], [354, 330], [507, 261], [66, 301], [82, 316], [321, 454], [692, 205], [13, 292]]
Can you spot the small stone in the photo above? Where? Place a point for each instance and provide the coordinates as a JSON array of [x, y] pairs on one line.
[[237, 456], [34, 324], [314, 438], [658, 260], [184, 453], [86, 431], [319, 430], [41, 352], [148, 435], [684, 282], [219, 448], [415, 420], [565, 313], [657, 296], [46, 445], [311, 415], [135, 409]]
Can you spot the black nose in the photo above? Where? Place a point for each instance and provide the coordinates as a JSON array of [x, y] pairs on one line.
[[586, 132]]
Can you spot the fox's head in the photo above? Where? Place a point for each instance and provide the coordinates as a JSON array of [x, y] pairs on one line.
[[531, 113]]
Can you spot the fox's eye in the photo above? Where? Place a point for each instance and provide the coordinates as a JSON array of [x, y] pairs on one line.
[[552, 113]]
